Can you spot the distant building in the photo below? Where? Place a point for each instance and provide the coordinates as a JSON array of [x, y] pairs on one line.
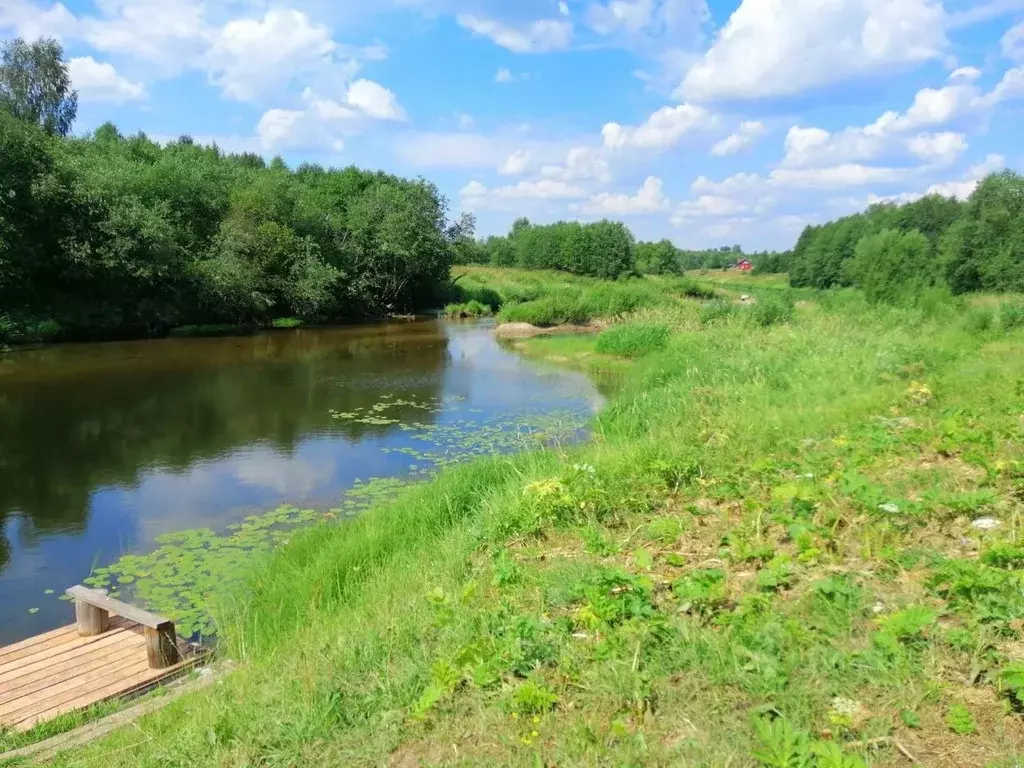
[[744, 265]]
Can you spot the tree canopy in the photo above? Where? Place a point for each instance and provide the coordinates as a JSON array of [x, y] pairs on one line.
[[895, 250], [35, 85]]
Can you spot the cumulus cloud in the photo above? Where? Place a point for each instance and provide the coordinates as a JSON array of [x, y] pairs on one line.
[[477, 196], [581, 163], [536, 37], [748, 133], [504, 75], [374, 100], [650, 198], [662, 130], [1013, 43], [516, 163], [324, 122], [783, 47], [250, 57], [99, 81], [706, 206]]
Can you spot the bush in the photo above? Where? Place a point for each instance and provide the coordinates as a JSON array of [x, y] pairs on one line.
[[470, 309], [1011, 315], [632, 339], [979, 320], [286, 322], [716, 311], [694, 290], [772, 309]]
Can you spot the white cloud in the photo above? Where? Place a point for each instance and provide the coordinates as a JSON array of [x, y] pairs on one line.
[[251, 57], [738, 184], [1013, 43], [782, 47], [30, 22], [477, 196], [563, 8], [650, 198], [504, 75], [968, 74], [581, 163], [706, 206], [374, 100], [323, 122], [845, 175], [662, 130], [748, 133], [938, 148], [516, 163], [1010, 87], [171, 36], [99, 81], [677, 23], [536, 37]]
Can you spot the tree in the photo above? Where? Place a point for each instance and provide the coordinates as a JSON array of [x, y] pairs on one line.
[[35, 85]]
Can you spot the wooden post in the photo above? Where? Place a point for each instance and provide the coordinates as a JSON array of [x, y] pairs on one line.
[[91, 619], [161, 646]]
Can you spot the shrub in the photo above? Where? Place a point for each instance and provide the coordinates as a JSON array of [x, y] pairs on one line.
[[773, 309], [716, 311], [694, 290], [632, 339], [979, 320], [286, 322], [1011, 315], [471, 308]]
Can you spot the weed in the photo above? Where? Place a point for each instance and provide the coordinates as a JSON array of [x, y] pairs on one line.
[[1011, 315], [960, 720]]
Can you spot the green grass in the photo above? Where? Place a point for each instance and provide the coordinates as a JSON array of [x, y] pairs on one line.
[[632, 339], [286, 322], [471, 308], [764, 557]]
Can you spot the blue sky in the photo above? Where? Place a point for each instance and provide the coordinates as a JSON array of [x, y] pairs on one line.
[[710, 122]]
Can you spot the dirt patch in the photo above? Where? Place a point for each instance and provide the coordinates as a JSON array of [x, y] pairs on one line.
[[526, 330]]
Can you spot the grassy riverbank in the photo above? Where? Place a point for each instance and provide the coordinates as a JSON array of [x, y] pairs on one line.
[[793, 541]]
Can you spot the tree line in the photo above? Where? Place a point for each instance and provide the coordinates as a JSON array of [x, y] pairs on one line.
[[112, 235], [603, 249], [896, 251]]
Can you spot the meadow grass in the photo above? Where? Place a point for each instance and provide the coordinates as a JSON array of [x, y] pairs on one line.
[[632, 339], [793, 543]]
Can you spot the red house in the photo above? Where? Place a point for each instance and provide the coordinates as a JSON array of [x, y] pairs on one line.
[[744, 265]]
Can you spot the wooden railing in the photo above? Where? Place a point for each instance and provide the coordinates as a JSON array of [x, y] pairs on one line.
[[92, 612]]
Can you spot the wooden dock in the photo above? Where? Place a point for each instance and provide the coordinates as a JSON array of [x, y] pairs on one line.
[[96, 659]]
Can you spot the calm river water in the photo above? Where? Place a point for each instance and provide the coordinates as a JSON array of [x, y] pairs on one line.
[[103, 447]]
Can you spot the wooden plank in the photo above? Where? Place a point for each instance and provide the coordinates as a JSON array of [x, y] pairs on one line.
[[101, 600], [52, 635], [70, 639], [41, 678], [112, 673], [94, 696], [64, 653]]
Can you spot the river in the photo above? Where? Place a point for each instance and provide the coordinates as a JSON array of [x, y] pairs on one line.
[[106, 447]]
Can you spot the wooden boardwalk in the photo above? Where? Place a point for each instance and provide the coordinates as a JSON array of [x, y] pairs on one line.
[[63, 671]]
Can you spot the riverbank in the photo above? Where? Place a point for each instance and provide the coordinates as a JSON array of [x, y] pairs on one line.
[[793, 540]]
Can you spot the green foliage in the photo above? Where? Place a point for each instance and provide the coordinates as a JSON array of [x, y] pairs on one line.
[[35, 85], [773, 309], [602, 249], [109, 235], [632, 339], [895, 251], [1011, 315], [471, 308], [716, 312], [960, 720], [892, 265]]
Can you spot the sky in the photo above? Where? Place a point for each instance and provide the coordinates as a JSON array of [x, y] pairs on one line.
[[708, 122]]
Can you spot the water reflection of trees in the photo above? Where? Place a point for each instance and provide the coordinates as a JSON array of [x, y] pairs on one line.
[[74, 419]]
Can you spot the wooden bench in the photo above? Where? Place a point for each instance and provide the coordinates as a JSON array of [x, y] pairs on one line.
[[92, 613]]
